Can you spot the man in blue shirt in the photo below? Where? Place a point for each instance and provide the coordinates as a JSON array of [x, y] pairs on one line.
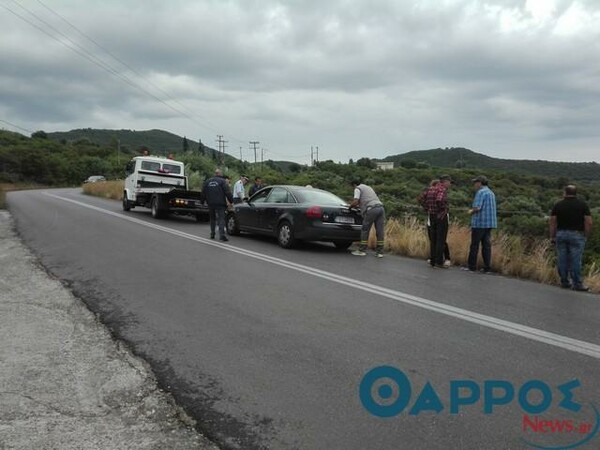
[[483, 219]]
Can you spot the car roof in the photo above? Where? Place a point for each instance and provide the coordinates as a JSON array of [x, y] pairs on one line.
[[295, 187]]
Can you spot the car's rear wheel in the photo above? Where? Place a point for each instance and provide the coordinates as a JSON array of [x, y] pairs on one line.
[[342, 245], [232, 225], [285, 235]]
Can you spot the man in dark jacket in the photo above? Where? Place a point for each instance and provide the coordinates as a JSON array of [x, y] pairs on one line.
[[217, 193], [257, 186]]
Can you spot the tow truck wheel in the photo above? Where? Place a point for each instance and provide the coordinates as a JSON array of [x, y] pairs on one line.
[[156, 212], [126, 204]]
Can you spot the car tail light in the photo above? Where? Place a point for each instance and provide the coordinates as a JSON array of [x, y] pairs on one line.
[[314, 212]]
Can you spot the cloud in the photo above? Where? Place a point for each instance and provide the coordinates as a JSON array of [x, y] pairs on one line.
[[509, 78]]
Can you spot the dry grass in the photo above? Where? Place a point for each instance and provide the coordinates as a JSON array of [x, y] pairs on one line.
[[511, 255], [105, 189]]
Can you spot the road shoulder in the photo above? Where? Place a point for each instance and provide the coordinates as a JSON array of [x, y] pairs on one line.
[[64, 382]]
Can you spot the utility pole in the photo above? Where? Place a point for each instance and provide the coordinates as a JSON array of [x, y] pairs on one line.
[[119, 152], [221, 143], [241, 156], [317, 154], [254, 145], [262, 157], [312, 161]]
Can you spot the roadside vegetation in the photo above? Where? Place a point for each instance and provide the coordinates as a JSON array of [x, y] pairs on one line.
[[524, 200], [7, 187], [112, 189]]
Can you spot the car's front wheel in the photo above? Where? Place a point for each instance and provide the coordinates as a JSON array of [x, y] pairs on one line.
[[285, 235], [232, 225]]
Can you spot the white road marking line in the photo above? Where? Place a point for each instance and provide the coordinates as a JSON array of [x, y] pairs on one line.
[[546, 337]]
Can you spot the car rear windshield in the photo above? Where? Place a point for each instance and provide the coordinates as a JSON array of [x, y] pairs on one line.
[[318, 197]]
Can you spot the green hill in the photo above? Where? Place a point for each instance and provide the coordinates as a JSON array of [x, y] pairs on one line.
[[465, 158], [157, 141]]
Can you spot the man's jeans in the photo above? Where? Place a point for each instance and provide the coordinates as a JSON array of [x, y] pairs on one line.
[[217, 216], [483, 236], [438, 235], [569, 246]]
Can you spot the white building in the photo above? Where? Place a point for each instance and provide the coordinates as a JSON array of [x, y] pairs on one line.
[[385, 165]]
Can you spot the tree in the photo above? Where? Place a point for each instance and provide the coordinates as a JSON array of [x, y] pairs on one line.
[[408, 163], [39, 135], [366, 162], [186, 145], [201, 149]]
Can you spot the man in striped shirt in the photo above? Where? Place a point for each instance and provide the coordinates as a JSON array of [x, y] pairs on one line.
[[483, 219]]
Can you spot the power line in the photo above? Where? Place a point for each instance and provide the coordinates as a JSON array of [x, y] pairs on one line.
[[120, 61], [16, 126], [84, 53], [62, 38]]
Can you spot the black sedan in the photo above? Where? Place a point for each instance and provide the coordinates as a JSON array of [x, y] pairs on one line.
[[295, 213]]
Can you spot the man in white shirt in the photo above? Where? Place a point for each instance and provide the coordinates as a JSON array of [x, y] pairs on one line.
[[373, 213], [239, 192]]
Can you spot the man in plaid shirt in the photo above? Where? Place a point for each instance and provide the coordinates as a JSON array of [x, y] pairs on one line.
[[483, 219], [435, 203]]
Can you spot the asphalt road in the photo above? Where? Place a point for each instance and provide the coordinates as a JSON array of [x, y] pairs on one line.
[[267, 347]]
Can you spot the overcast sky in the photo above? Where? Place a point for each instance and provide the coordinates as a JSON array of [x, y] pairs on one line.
[[510, 79]]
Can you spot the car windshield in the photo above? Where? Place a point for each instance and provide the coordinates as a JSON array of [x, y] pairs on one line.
[[318, 197]]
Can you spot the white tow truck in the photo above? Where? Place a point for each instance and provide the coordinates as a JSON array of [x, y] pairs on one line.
[[161, 185]]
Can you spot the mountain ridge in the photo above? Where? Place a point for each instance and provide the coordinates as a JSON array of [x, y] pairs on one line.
[[459, 157], [164, 142]]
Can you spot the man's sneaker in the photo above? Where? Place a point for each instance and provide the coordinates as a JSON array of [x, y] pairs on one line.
[[566, 285], [359, 253], [379, 255], [212, 235], [581, 288], [467, 269], [447, 263], [223, 238]]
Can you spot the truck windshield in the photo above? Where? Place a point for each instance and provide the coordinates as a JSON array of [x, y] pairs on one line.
[[172, 168], [151, 165]]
